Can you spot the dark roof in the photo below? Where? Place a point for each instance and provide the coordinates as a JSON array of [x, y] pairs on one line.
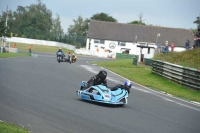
[[127, 32]]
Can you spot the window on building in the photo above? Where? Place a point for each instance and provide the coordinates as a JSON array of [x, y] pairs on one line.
[[99, 41], [122, 44], [96, 41], [102, 41]]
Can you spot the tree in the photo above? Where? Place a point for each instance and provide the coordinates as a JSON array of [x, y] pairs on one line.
[[193, 30], [140, 22], [34, 21], [79, 27], [103, 17], [2, 28], [137, 22], [140, 18], [197, 21], [10, 18], [56, 30], [78, 31], [4, 31]]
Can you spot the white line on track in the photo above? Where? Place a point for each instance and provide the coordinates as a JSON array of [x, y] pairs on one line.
[[160, 93], [148, 90], [181, 104]]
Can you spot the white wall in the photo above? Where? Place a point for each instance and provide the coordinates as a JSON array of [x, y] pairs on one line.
[[118, 49], [178, 49], [39, 42], [148, 56], [133, 46]]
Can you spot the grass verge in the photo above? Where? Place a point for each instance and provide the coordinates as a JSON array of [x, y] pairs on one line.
[[40, 48], [8, 55], [11, 128], [141, 74], [189, 58]]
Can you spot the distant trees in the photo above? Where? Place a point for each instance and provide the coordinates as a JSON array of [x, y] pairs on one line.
[[4, 31], [140, 22], [197, 21], [78, 31], [103, 17], [79, 28], [56, 32], [34, 21], [137, 22]]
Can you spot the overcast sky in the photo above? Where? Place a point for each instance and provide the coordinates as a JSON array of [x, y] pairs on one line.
[[165, 13]]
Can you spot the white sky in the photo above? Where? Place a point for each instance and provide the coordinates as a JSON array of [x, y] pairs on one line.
[[165, 13]]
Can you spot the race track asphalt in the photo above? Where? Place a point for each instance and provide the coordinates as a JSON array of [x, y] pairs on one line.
[[39, 94]]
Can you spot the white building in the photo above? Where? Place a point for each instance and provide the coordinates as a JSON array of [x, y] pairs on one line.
[[119, 38], [113, 47]]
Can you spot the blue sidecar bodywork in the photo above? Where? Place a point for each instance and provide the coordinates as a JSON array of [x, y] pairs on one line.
[[102, 94]]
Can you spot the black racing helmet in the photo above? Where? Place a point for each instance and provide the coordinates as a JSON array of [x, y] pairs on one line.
[[103, 74]]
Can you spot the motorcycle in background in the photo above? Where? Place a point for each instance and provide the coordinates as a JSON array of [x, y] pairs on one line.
[[70, 58], [74, 59], [59, 57]]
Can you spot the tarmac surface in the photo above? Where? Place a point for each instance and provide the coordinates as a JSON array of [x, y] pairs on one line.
[[40, 94]]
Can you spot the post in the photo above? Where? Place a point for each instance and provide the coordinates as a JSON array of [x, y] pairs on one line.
[[6, 21], [158, 35], [2, 41], [6, 16], [136, 39]]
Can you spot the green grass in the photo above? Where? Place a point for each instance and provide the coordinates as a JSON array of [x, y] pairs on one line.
[[141, 74], [189, 58], [40, 48], [11, 128], [8, 55]]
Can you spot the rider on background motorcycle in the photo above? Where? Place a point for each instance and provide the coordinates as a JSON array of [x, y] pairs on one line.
[[69, 54], [73, 57], [60, 51], [126, 86], [98, 79]]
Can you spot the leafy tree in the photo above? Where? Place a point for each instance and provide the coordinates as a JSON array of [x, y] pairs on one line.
[[137, 22], [4, 31], [34, 21], [2, 28], [103, 17], [10, 19], [140, 22], [78, 31], [56, 30], [193, 30], [79, 27], [197, 21], [37, 20]]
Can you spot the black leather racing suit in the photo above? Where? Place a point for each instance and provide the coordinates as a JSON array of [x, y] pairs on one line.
[[95, 80]]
